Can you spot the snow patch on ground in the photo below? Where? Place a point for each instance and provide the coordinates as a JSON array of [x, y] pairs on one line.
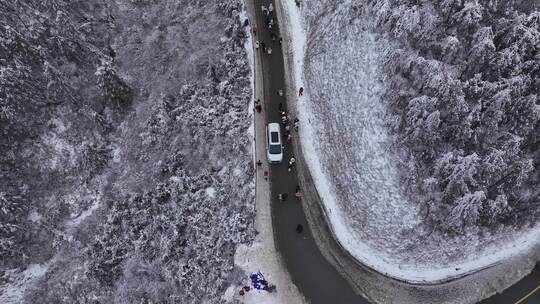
[[249, 258], [17, 283], [348, 153], [34, 216], [211, 192], [61, 150], [86, 213], [116, 154]]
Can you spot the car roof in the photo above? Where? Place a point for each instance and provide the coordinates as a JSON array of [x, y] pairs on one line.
[[273, 127]]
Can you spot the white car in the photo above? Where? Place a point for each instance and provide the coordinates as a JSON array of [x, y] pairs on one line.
[[274, 148]]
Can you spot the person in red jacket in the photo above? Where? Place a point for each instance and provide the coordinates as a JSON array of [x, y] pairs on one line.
[[298, 194]]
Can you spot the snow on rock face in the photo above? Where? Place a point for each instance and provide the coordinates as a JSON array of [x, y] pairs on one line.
[[355, 161]]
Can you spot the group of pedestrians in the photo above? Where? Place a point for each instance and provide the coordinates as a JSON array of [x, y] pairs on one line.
[[287, 123], [282, 197], [268, 13]]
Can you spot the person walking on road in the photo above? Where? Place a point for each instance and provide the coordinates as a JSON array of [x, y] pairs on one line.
[[254, 29], [282, 197], [299, 228], [269, 51], [259, 163], [296, 124], [292, 161], [301, 91], [298, 194], [258, 106], [290, 166], [270, 8], [257, 45], [265, 174]]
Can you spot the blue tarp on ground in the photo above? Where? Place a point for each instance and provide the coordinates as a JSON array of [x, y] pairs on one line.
[[258, 281]]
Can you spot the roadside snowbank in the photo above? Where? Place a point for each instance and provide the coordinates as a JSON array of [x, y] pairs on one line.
[[348, 153]]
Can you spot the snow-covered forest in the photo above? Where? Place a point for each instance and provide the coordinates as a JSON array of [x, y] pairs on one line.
[[464, 91], [420, 126], [125, 162]]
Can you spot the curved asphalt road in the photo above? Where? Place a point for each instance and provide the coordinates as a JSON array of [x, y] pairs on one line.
[[526, 291], [316, 279]]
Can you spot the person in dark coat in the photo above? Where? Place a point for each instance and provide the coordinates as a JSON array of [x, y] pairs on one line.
[[299, 228]]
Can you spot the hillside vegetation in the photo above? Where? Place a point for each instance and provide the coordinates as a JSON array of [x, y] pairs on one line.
[[126, 172], [464, 90]]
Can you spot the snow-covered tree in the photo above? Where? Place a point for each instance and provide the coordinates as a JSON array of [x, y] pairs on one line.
[[113, 88], [13, 210], [466, 211], [457, 174], [478, 59]]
